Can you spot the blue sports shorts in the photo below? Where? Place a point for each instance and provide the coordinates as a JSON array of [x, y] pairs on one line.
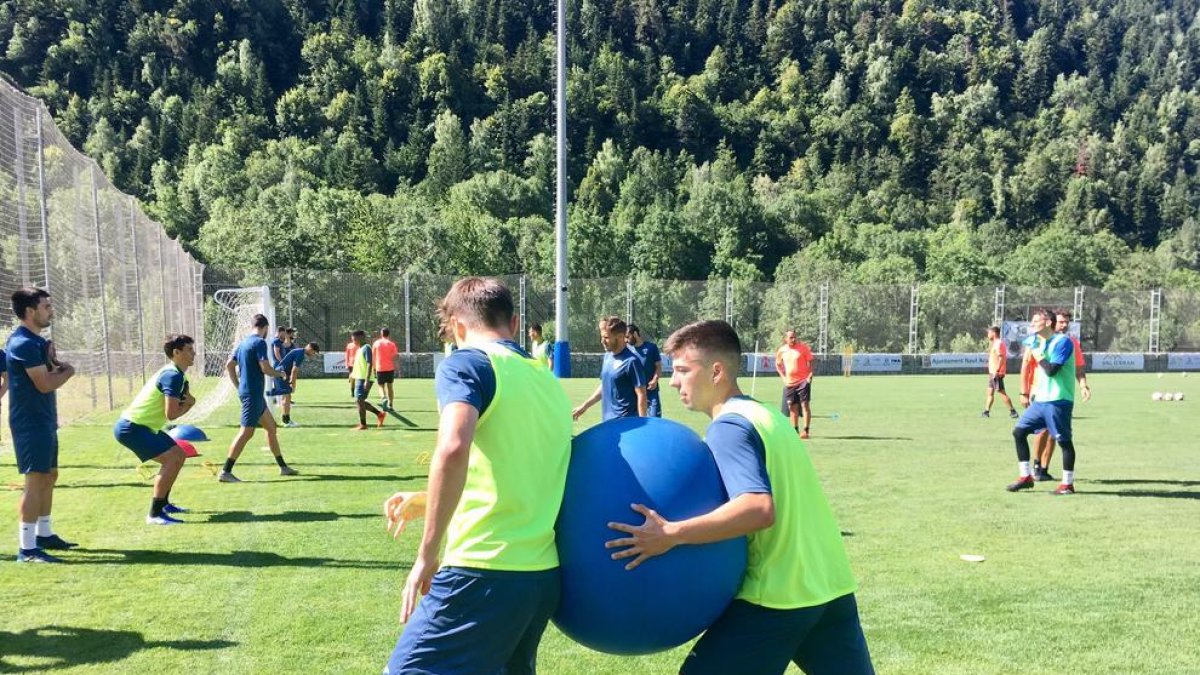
[[1054, 417], [36, 449], [145, 442], [750, 639], [477, 622], [253, 408]]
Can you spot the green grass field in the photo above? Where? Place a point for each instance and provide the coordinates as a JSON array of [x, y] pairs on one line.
[[291, 575]]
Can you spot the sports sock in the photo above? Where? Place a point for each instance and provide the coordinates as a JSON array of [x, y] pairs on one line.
[[279, 460], [287, 419], [156, 507], [1024, 467], [229, 461], [43, 527], [1068, 478], [27, 536]]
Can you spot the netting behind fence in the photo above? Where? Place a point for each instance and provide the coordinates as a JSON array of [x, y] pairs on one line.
[[118, 284], [325, 306]]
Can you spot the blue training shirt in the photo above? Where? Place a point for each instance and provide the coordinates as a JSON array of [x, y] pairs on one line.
[[740, 454], [1060, 349], [28, 408], [251, 381], [650, 356], [276, 343], [620, 374], [466, 376]]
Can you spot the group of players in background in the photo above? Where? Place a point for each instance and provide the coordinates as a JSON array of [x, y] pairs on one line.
[[1052, 367]]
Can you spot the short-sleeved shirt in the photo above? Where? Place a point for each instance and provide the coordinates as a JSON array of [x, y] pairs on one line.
[[620, 375], [1079, 361], [796, 362], [276, 343], [998, 358], [650, 357], [148, 408], [467, 376], [290, 360], [740, 454], [251, 381], [385, 355], [351, 352], [28, 408]]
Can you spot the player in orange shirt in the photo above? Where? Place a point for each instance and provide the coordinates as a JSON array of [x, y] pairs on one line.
[[386, 362], [997, 369], [1043, 443], [793, 362], [351, 352]]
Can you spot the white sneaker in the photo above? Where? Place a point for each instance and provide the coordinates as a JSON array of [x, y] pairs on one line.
[[291, 425], [226, 477], [164, 519]]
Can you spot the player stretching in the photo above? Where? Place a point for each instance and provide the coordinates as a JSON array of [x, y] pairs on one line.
[[247, 368], [283, 387], [164, 397]]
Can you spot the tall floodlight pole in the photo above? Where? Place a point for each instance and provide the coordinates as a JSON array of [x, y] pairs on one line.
[[562, 347]]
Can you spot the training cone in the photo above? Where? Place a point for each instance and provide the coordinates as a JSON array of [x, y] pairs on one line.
[[189, 450], [188, 432]]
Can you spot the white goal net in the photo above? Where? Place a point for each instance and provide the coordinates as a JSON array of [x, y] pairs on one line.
[[226, 322]]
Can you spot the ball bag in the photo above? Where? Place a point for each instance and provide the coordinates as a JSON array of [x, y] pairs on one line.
[[668, 599]]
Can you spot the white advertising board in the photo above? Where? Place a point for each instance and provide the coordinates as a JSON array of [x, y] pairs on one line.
[[873, 363], [1118, 361], [958, 361], [1183, 361]]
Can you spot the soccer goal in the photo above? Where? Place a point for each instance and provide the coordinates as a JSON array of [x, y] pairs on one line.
[[226, 322]]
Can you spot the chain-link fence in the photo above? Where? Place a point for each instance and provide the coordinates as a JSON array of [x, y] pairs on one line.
[[325, 306], [118, 284]]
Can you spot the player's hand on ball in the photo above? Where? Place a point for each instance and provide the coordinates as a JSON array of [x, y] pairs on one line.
[[402, 507], [645, 541], [578, 412]]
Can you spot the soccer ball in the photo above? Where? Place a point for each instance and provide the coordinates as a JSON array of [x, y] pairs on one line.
[[1156, 396], [1168, 396], [1179, 396]]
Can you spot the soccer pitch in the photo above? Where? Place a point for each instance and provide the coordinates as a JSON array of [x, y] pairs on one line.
[[297, 575]]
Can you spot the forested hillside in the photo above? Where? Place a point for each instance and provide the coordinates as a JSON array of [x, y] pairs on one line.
[[961, 141]]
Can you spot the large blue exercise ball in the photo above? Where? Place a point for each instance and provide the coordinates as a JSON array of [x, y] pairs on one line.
[[668, 599], [188, 432]]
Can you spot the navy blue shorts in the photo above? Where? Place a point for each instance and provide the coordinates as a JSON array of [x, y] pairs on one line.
[[1053, 417], [282, 388], [253, 408], [477, 621], [36, 450], [750, 639], [145, 442], [653, 403], [362, 390]]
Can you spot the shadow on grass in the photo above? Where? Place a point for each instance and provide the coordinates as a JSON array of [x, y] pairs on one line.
[[77, 486], [340, 477], [102, 556], [285, 517], [863, 438], [1145, 481], [1162, 494], [349, 426], [56, 647]]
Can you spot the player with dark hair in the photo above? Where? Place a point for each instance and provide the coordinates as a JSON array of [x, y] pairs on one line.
[[997, 368], [362, 373], [34, 374], [796, 602], [164, 397], [651, 361], [247, 369], [387, 360], [622, 378]]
